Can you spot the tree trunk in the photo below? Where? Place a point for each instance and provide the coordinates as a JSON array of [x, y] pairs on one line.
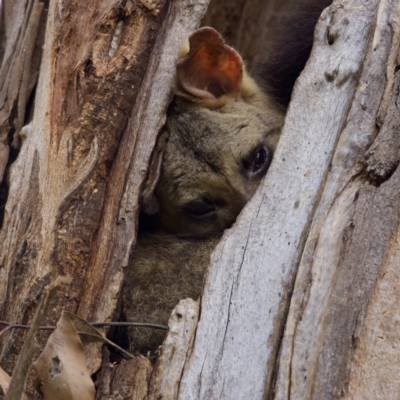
[[325, 219], [104, 86], [300, 297]]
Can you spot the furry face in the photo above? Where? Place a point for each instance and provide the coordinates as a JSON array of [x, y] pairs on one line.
[[222, 131], [222, 134], [213, 163]]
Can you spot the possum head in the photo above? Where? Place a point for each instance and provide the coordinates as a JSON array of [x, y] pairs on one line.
[[222, 134]]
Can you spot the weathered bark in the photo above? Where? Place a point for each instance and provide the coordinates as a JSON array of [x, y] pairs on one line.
[[165, 381], [349, 244], [127, 380], [162, 380], [21, 36], [340, 334], [74, 188], [301, 296]]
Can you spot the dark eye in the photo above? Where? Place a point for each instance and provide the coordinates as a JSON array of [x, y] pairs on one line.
[[260, 159]]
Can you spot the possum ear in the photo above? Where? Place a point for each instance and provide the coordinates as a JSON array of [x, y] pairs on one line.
[[150, 204], [211, 69]]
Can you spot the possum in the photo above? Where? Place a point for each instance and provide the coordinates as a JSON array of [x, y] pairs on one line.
[[221, 132]]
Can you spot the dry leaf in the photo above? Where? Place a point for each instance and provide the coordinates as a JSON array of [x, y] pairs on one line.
[[87, 332], [29, 349], [5, 381], [61, 367], [90, 334]]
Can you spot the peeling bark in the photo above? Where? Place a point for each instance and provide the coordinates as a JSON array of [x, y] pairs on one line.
[[261, 253], [74, 189], [21, 42], [349, 242], [137, 378], [301, 296], [165, 381], [127, 380]]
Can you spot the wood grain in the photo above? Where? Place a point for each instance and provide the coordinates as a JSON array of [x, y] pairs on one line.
[[347, 246], [74, 189], [252, 271], [165, 381]]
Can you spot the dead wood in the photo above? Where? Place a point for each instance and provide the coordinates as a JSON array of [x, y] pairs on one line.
[[252, 272], [301, 296], [74, 189], [22, 41]]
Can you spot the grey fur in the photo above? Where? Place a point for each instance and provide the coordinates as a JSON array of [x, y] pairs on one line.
[[207, 163]]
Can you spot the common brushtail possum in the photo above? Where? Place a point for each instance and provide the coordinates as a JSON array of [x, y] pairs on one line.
[[221, 132]]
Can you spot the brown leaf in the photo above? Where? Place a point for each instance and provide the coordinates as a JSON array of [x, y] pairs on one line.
[[5, 381], [30, 347], [90, 334], [61, 367]]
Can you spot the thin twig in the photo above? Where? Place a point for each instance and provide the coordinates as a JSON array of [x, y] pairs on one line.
[[10, 325], [7, 328], [135, 324]]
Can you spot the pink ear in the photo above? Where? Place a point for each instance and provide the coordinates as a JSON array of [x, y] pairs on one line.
[[211, 69]]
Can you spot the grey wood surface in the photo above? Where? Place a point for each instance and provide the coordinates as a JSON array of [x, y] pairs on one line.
[[247, 292]]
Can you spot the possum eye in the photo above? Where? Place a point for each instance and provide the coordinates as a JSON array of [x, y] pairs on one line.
[[261, 158], [202, 209], [258, 161]]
